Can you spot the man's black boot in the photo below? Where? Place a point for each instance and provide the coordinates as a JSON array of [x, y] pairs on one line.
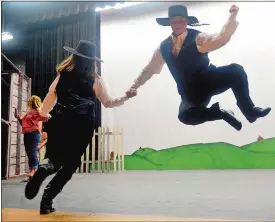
[[227, 116], [46, 204]]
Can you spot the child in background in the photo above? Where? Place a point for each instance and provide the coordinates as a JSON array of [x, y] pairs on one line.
[[31, 128]]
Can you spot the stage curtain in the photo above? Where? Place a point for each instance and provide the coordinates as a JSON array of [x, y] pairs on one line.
[[45, 41]]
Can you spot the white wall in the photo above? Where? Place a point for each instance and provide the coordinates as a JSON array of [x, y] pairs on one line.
[[150, 119]]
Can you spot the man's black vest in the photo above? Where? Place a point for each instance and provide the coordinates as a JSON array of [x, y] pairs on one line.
[[75, 94], [188, 64]]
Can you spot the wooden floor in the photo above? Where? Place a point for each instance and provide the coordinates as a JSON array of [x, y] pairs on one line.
[[11, 214]]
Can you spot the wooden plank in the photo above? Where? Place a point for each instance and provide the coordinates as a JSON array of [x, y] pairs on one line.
[[22, 160], [22, 150], [93, 152], [14, 131], [24, 96], [25, 89], [99, 149], [118, 149], [108, 149], [14, 138], [15, 91], [122, 148], [25, 85], [82, 164], [29, 95], [26, 77], [13, 160], [16, 81], [115, 148], [29, 87], [13, 127], [14, 102], [15, 96], [13, 164], [13, 150], [16, 78], [12, 170], [9, 132], [22, 167], [16, 214], [24, 107], [18, 127], [87, 159], [103, 149]]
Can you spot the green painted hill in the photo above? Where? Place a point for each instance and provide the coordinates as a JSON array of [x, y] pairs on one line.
[[258, 155], [143, 152], [264, 146]]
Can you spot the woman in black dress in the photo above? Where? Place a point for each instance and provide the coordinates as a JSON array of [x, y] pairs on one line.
[[73, 93]]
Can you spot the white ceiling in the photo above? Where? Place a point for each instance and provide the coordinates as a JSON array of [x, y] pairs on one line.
[[146, 8]]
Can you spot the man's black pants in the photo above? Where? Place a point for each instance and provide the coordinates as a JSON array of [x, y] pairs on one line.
[[214, 81]]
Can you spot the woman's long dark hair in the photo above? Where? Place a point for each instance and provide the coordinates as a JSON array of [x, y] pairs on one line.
[[79, 65]]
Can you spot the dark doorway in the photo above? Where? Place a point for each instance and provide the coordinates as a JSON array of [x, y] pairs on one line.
[[5, 95]]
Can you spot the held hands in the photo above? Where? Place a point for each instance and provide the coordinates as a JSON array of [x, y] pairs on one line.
[[233, 11], [131, 93]]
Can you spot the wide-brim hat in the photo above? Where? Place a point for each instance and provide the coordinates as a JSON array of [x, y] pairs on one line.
[[177, 11], [85, 49]]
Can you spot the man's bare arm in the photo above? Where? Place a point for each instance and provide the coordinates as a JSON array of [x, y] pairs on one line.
[[154, 67], [210, 42]]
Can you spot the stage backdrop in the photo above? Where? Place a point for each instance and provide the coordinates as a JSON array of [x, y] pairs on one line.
[[154, 137]]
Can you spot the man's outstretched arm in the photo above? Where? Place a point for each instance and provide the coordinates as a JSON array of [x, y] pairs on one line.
[[154, 67], [210, 42]]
